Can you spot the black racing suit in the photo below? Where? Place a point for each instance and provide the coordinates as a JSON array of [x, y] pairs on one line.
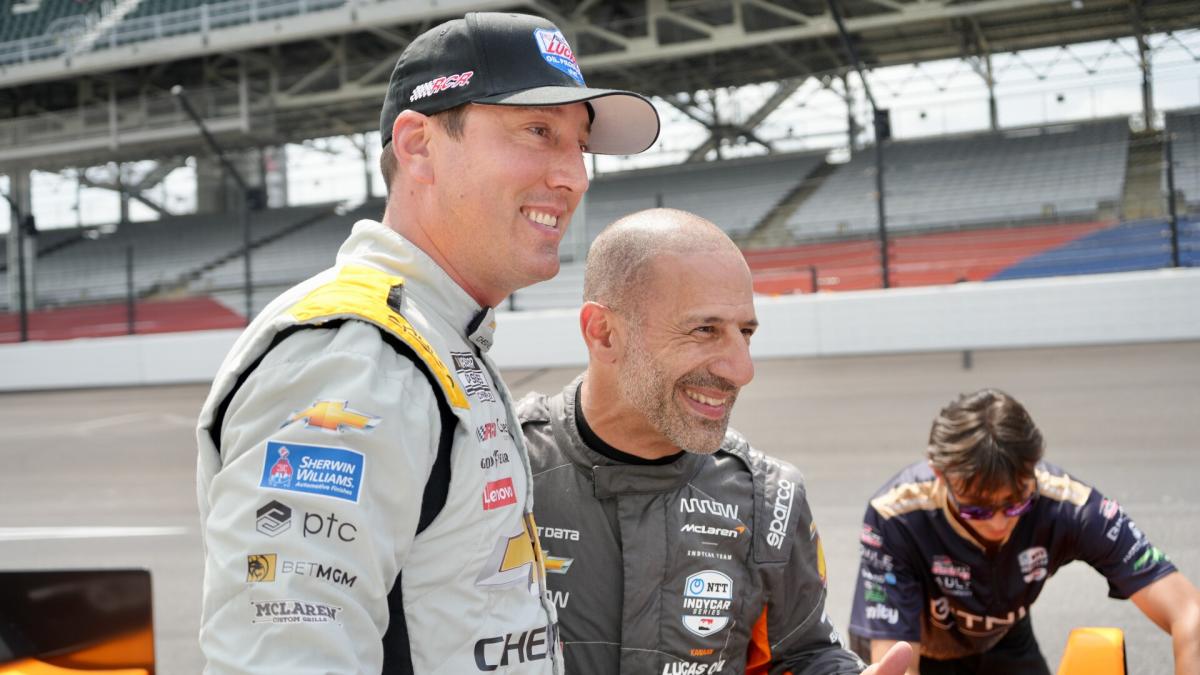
[[704, 564], [925, 577]]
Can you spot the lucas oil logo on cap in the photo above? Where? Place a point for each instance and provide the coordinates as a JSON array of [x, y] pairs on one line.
[[557, 52]]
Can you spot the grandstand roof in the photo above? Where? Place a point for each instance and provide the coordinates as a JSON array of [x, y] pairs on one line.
[[286, 70]]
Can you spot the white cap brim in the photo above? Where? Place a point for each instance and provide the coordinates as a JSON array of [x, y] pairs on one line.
[[625, 123]]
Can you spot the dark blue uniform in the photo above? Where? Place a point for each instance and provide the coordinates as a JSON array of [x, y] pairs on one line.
[[924, 576]]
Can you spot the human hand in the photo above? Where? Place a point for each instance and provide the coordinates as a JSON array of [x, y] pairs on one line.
[[895, 662]]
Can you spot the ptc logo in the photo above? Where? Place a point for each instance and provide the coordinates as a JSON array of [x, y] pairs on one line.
[[273, 518]]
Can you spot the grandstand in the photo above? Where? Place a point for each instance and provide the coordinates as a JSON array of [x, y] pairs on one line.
[[1018, 175], [737, 194], [85, 82], [1184, 128]]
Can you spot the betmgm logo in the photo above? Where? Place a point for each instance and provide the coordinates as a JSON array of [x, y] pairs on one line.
[[260, 567]]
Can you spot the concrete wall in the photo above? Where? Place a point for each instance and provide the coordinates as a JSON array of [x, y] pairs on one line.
[[1101, 309]]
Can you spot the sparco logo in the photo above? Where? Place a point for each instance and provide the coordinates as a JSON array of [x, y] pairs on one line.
[[492, 653], [777, 530], [716, 508], [294, 611]]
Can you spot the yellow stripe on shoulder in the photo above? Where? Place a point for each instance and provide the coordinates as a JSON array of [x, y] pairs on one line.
[[1062, 488], [906, 498], [362, 293]]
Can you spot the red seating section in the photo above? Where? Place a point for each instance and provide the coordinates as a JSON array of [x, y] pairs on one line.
[[919, 260], [151, 316]]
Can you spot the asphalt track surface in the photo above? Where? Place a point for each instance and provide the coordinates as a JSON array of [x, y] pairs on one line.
[[1124, 418]]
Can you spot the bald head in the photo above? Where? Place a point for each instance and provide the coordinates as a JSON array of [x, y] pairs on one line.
[[620, 263]]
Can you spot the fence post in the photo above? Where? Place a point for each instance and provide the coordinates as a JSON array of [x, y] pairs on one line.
[[812, 273], [22, 304], [130, 305], [1174, 218]]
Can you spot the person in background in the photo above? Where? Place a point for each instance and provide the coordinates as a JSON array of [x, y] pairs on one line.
[[956, 547]]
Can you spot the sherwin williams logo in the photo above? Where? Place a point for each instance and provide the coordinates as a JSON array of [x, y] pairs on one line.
[[333, 416], [280, 473], [557, 52], [329, 472], [499, 493]]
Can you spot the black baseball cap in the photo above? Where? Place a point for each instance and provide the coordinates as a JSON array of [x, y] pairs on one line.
[[511, 59]]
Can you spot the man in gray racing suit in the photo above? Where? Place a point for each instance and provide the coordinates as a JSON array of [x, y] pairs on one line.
[[671, 545], [364, 495]]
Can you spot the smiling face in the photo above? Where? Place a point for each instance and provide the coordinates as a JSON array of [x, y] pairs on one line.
[[504, 194], [688, 348]]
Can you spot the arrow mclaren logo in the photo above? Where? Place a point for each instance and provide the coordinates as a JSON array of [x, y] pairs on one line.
[[696, 528]]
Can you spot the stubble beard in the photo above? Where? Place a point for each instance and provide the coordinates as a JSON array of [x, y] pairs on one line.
[[648, 389]]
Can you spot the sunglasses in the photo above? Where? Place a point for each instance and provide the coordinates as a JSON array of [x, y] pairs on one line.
[[971, 512]]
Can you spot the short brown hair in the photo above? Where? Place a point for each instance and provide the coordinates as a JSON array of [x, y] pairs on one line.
[[453, 121], [987, 441]]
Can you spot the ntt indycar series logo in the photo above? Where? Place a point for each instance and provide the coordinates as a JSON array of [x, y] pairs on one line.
[[707, 597]]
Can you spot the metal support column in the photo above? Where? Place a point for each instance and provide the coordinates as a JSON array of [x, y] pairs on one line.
[[882, 134], [243, 212], [1174, 217], [990, 80], [1144, 62], [852, 129]]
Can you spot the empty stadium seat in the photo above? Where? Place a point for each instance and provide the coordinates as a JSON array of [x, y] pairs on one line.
[[734, 194], [1020, 175]]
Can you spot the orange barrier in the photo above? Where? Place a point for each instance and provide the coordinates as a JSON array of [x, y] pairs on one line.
[[35, 667], [1094, 651]]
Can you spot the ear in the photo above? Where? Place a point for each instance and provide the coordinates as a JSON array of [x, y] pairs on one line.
[[410, 143], [596, 322], [939, 474]]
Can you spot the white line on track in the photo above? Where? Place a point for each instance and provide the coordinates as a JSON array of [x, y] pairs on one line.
[[77, 532]]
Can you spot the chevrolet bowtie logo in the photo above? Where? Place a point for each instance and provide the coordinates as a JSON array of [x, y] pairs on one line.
[[334, 416], [557, 565]]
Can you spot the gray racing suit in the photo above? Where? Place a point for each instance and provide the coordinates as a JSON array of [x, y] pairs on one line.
[[709, 564], [365, 498]]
